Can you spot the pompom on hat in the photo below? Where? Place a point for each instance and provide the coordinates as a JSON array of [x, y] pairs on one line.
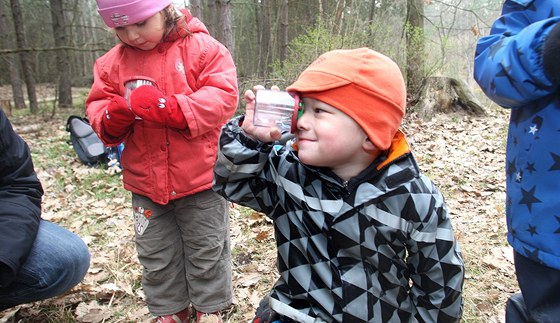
[[118, 13], [364, 84]]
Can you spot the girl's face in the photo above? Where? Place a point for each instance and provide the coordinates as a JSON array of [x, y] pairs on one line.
[[144, 35], [327, 137]]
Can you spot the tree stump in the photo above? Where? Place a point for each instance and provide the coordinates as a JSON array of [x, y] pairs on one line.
[[445, 95]]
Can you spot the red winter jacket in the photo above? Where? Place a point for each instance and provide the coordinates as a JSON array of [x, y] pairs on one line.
[[159, 162]]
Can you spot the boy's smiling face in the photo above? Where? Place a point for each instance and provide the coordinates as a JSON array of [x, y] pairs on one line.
[[327, 137]]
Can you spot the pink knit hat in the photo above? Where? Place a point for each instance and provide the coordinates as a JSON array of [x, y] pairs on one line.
[[118, 13]]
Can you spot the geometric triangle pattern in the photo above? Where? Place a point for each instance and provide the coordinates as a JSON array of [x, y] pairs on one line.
[[380, 248]]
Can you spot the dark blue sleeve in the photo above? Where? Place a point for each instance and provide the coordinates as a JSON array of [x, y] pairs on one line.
[[509, 62]]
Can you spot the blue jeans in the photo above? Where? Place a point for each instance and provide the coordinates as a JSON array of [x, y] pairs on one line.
[[58, 261]]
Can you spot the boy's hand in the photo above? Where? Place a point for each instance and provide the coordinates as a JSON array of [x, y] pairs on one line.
[[151, 104], [264, 134], [118, 117]]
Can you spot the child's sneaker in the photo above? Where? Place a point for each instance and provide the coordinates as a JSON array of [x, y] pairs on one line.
[[215, 317], [179, 317]]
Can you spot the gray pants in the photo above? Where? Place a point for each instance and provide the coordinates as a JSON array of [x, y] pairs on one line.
[[184, 249]]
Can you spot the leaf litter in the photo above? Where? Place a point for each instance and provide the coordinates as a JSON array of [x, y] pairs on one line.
[[464, 155]]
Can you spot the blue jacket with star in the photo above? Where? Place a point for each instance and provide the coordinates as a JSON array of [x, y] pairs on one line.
[[516, 66]]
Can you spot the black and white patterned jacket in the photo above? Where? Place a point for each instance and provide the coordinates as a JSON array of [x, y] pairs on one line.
[[379, 248]]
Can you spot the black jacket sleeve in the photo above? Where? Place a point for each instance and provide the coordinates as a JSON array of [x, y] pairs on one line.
[[20, 201]]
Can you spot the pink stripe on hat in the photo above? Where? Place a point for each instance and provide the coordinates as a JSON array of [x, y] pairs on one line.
[[118, 13]]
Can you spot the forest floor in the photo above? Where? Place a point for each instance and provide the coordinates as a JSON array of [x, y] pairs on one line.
[[463, 155]]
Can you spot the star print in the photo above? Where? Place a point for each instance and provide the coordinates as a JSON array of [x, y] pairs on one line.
[[506, 72], [531, 167], [510, 168], [556, 165], [533, 255], [531, 83], [538, 122], [502, 20], [494, 48], [529, 198], [518, 177], [533, 129], [532, 230]]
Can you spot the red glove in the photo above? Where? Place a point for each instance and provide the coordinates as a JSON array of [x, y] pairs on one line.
[[151, 104], [118, 117]]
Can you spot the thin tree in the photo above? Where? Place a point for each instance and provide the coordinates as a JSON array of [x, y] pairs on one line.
[[196, 9], [211, 17], [11, 59], [265, 41], [64, 73], [24, 55], [224, 25], [283, 31], [414, 32]]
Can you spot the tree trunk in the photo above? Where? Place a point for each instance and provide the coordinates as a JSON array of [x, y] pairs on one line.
[[62, 56], [258, 35], [283, 31], [339, 15], [196, 9], [446, 95], [265, 39], [414, 30], [211, 17], [11, 61], [25, 56], [224, 24]]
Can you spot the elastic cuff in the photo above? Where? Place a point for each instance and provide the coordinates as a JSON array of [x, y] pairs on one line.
[[551, 54]]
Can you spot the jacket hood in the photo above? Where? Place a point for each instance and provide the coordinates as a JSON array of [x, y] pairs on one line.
[[185, 26], [194, 24]]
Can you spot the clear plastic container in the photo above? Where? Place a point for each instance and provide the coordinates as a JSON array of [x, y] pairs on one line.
[[275, 109], [133, 83]]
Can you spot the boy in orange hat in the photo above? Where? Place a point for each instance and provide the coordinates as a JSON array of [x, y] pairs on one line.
[[362, 235]]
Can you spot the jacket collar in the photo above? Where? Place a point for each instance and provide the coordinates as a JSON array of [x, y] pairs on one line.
[[399, 147], [399, 153]]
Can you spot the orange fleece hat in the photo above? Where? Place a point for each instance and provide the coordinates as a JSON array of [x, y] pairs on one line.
[[364, 84]]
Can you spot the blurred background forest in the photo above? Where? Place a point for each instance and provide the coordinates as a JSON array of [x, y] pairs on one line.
[[56, 42]]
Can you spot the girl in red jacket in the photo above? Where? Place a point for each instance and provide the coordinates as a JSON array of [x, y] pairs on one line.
[[170, 130]]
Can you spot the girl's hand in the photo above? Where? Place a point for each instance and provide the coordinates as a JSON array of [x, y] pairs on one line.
[[264, 134]]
